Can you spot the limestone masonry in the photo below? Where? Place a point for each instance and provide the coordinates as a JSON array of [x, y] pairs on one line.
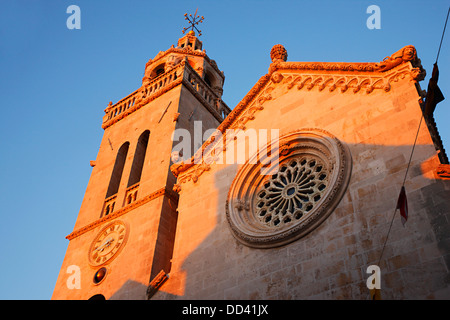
[[325, 149]]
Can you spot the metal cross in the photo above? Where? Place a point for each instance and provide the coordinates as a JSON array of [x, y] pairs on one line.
[[194, 20]]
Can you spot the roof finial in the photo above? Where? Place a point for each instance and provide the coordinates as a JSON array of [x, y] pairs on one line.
[[278, 53], [193, 21]]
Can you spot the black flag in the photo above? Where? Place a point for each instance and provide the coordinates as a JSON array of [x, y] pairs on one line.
[[434, 94]]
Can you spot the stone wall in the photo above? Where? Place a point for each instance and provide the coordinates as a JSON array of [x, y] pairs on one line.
[[379, 128]]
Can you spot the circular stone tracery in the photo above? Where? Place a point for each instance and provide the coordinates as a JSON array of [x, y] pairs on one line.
[[267, 209], [292, 192]]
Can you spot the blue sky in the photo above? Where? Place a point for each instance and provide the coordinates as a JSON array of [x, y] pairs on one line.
[[55, 84]]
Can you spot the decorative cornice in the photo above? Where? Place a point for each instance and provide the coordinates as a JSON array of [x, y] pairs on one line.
[[234, 114], [249, 97], [159, 193], [141, 103], [193, 175], [154, 88], [365, 83], [187, 51], [348, 77], [404, 55], [324, 66], [344, 68]]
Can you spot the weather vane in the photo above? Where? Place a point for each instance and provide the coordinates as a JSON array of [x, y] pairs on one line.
[[193, 21]]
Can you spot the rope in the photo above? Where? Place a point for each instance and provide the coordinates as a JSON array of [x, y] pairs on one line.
[[412, 150], [403, 184], [442, 38], [414, 145]]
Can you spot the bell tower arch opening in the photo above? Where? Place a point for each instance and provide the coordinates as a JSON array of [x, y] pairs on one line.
[[116, 175]]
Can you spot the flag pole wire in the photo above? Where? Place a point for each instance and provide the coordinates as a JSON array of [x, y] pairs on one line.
[[403, 184], [442, 38], [412, 152]]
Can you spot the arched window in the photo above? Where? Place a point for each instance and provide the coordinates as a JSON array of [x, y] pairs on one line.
[[107, 210], [159, 72], [139, 157], [207, 80], [117, 170], [97, 297]]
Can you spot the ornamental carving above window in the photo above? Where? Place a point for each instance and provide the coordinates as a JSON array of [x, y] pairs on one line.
[[266, 211]]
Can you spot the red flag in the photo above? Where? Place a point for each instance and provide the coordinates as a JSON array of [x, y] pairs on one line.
[[402, 205]]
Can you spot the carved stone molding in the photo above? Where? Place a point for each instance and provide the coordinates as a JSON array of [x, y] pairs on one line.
[[263, 91], [341, 77], [265, 211], [443, 171], [186, 51], [365, 83], [156, 283], [140, 102], [193, 175], [159, 193], [247, 115], [254, 91], [405, 54], [324, 66]]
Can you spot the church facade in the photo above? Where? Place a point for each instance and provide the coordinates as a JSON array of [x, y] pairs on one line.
[[290, 195]]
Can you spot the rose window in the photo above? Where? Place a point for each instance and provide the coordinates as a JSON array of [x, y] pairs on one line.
[[292, 192], [268, 208]]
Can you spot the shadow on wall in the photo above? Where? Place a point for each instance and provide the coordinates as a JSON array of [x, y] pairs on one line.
[[331, 261], [130, 290]]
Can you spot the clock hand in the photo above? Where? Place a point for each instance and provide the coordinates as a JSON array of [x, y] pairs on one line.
[[105, 244]]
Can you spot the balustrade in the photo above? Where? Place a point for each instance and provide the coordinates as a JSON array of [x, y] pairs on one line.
[[204, 90], [154, 87], [109, 205], [131, 193]]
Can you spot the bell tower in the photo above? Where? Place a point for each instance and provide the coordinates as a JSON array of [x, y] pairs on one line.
[[122, 241]]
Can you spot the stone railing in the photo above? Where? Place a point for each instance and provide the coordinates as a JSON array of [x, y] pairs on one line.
[[224, 110], [182, 73], [121, 106], [140, 97], [209, 98], [131, 193], [110, 202], [157, 84]]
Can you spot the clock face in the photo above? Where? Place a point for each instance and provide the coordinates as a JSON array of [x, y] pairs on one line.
[[108, 243]]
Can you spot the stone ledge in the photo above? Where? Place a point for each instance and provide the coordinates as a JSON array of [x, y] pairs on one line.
[[161, 192], [443, 171]]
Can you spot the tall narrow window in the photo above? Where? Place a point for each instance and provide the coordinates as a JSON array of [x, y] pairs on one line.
[[139, 157], [117, 171], [207, 80]]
